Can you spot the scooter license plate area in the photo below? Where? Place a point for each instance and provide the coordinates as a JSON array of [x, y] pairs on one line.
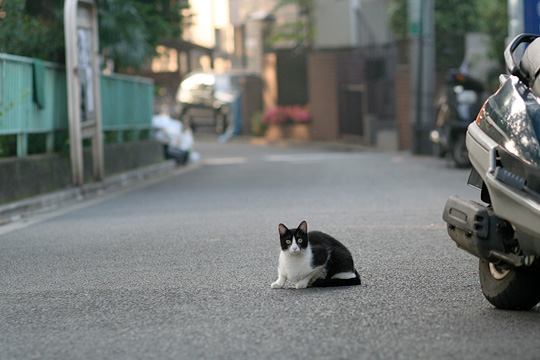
[[475, 180], [517, 174]]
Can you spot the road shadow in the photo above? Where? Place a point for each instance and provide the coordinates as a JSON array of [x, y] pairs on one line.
[[515, 314], [320, 290]]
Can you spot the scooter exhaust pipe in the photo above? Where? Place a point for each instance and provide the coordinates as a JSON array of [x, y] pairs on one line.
[[468, 224], [476, 229]]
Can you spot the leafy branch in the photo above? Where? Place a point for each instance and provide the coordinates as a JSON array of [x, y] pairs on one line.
[[299, 32], [453, 19], [129, 29]]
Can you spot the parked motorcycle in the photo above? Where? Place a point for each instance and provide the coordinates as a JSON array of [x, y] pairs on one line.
[[456, 109], [504, 150]]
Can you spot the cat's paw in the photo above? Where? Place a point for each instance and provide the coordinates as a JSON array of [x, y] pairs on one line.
[[301, 285], [276, 285]]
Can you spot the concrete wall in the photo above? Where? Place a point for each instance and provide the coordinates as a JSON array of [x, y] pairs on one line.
[[336, 23], [351, 23], [128, 156], [38, 174], [373, 23], [32, 175]]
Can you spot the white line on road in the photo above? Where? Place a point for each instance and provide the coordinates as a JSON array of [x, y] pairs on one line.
[[300, 158], [225, 161]]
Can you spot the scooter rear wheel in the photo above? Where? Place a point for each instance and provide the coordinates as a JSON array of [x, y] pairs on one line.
[[460, 155], [509, 288]]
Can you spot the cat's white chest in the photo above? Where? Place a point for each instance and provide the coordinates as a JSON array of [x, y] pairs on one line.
[[296, 267]]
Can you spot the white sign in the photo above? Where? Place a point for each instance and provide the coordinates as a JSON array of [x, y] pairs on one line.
[[84, 45]]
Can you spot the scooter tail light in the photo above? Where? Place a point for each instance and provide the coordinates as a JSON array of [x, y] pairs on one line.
[[481, 114]]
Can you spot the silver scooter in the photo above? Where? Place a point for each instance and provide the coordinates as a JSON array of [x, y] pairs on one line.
[[503, 230]]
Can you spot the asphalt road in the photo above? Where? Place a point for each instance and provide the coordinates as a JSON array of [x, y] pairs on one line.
[[182, 269]]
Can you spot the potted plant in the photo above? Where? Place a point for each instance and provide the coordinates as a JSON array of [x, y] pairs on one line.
[[274, 118], [294, 118], [299, 119]]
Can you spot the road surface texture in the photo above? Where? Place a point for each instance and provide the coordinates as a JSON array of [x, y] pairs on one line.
[[182, 269]]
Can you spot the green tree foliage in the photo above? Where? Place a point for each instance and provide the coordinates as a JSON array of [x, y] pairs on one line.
[[129, 29], [26, 31], [298, 32], [397, 11], [453, 19], [493, 20]]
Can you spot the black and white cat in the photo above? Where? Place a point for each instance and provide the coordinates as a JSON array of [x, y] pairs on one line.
[[313, 259]]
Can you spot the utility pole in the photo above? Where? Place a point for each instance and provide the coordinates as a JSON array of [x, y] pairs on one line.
[[422, 51], [523, 17], [515, 19], [83, 89]]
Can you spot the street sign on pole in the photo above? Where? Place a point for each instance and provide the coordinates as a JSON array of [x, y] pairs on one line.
[[82, 74], [414, 8], [422, 49]]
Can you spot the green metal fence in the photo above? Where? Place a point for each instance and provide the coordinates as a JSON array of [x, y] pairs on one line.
[[127, 102]]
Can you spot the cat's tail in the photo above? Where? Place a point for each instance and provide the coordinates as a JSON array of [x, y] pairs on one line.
[[338, 282]]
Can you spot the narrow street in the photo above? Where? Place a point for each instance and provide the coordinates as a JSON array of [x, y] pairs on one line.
[[181, 269]]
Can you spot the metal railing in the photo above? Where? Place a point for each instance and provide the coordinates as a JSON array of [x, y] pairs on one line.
[[127, 102]]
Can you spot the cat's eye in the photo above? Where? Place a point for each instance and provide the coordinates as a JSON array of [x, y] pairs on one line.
[[299, 241], [288, 242]]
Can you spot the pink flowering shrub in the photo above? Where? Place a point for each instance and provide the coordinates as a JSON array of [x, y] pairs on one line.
[[275, 116], [298, 114], [286, 114]]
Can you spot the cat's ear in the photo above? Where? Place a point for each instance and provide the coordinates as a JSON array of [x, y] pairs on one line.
[[282, 230], [303, 227]]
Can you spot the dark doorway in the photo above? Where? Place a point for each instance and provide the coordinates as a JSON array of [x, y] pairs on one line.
[[292, 77], [351, 119]]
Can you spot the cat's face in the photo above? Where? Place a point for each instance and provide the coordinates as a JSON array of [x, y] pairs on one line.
[[294, 241]]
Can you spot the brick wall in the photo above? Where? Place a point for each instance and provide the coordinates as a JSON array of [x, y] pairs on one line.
[[323, 95]]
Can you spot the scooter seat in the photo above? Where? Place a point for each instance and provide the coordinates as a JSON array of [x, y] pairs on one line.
[[530, 65]]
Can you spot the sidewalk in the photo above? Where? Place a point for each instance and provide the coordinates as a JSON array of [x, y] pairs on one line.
[[139, 177]]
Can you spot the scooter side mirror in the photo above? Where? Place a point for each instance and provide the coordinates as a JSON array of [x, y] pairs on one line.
[[512, 64]]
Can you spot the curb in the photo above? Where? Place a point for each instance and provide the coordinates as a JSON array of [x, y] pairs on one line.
[[16, 210]]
